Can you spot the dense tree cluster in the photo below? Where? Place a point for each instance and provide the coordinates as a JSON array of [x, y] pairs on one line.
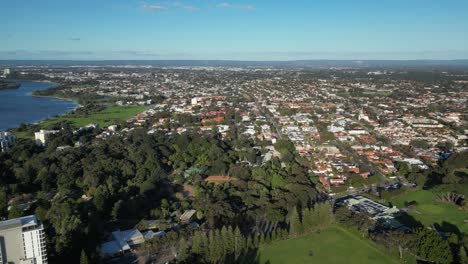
[[83, 193]]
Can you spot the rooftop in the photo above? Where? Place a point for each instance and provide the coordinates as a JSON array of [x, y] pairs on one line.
[[24, 221], [219, 179], [187, 215]]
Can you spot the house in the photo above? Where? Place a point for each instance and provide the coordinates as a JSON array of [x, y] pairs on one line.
[[245, 118], [61, 148], [188, 191], [217, 119], [415, 162], [112, 128], [187, 216], [250, 130], [223, 128], [324, 182], [357, 132], [154, 224], [337, 181], [219, 179], [150, 234], [122, 241], [365, 175]]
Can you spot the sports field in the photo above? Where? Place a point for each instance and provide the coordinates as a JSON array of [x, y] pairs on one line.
[[103, 118], [333, 245], [429, 211]]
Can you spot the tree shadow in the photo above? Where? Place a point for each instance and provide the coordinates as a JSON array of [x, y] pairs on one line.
[[447, 227], [434, 178], [409, 221], [251, 257]]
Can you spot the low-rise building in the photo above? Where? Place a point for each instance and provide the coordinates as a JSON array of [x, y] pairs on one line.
[[219, 179], [187, 216], [374, 211], [121, 242]]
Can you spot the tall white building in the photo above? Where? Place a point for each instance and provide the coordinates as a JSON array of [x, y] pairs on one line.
[[42, 137], [6, 72], [22, 241], [7, 139], [195, 101]]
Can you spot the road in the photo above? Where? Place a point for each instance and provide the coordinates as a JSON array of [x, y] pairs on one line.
[[269, 118]]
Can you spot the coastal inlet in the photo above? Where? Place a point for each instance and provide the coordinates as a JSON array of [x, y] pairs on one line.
[[18, 106]]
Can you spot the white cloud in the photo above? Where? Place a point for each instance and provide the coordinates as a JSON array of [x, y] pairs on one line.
[[241, 7], [153, 8], [186, 7]]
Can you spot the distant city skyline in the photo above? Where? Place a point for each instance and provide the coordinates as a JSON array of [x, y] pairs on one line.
[[234, 30]]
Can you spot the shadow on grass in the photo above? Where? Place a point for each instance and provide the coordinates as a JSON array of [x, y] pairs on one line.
[[409, 221], [252, 257], [447, 227]]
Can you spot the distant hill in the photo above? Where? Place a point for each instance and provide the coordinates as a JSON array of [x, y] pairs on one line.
[[230, 63]]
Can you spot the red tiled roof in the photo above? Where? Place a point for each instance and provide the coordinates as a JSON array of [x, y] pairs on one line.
[[219, 179]]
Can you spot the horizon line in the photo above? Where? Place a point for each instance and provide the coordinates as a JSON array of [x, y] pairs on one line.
[[233, 60]]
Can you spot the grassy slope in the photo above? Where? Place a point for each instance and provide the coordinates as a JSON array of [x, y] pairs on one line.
[[104, 118], [428, 211], [333, 245]]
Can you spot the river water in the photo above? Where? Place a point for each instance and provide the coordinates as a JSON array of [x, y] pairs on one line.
[[19, 106]]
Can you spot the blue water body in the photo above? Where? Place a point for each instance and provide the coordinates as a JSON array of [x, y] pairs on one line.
[[19, 106]]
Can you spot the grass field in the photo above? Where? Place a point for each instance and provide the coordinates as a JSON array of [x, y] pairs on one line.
[[428, 211], [103, 118], [333, 245]]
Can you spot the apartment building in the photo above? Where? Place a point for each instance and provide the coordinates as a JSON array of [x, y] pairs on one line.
[[22, 241]]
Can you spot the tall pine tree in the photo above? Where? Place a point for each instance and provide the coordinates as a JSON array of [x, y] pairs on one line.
[[238, 243], [198, 246], [225, 240], [182, 252], [295, 224], [84, 258], [462, 255], [230, 240]]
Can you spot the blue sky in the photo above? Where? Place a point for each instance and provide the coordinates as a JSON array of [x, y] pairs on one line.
[[234, 29]]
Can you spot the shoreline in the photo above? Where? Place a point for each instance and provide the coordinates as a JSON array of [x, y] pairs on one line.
[[60, 98], [55, 97], [53, 85]]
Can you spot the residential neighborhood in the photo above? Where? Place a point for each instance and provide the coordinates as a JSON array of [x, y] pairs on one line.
[[189, 148]]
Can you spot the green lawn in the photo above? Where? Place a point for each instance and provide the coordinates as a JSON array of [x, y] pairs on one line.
[[429, 211], [23, 134], [333, 245], [103, 118]]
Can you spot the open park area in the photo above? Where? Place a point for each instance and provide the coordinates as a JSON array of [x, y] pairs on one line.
[[332, 245], [426, 208], [103, 118]]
